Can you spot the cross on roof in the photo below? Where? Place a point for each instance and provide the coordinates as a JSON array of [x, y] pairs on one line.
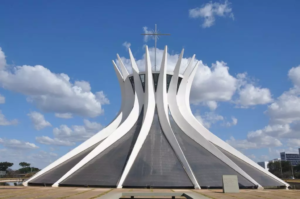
[[156, 34]]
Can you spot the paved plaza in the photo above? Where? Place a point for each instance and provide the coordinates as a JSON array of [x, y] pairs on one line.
[[90, 193]]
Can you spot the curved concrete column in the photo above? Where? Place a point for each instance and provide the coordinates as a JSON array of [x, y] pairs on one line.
[[162, 109], [177, 107], [121, 130], [183, 96], [128, 94], [101, 135], [149, 108]]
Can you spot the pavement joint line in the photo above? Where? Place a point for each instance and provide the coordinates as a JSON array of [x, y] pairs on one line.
[[51, 191], [18, 193], [101, 194], [75, 194], [19, 190]]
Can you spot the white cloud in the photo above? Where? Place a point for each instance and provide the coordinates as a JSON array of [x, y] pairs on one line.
[[241, 144], [53, 141], [208, 118], [38, 120], [2, 59], [233, 122], [254, 142], [262, 139], [252, 157], [210, 11], [17, 144], [212, 105], [77, 133], [284, 114], [294, 142], [2, 99], [5, 122], [64, 115], [41, 159], [36, 158], [84, 85], [250, 95], [285, 109], [67, 136], [100, 96], [294, 75], [126, 44], [51, 92], [146, 31], [213, 84]]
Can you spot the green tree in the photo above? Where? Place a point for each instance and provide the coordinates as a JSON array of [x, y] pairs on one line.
[[282, 169], [24, 164], [28, 169], [5, 165], [297, 168]]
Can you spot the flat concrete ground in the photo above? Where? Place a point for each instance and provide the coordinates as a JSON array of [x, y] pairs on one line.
[[89, 193]]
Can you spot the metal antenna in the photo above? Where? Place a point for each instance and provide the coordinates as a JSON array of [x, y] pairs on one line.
[[155, 34]]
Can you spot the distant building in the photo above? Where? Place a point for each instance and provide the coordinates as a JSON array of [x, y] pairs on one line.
[[293, 158], [264, 164]]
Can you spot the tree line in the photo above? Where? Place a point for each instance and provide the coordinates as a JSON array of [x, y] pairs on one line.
[[284, 169], [25, 168]]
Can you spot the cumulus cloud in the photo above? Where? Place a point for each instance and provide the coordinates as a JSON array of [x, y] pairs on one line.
[[146, 31], [210, 11], [53, 141], [213, 84], [285, 109], [2, 59], [51, 92], [67, 136], [37, 158], [2, 99], [241, 144], [126, 44], [17, 144], [284, 115], [294, 75], [233, 122], [251, 95], [5, 122], [84, 85], [212, 105], [208, 118], [77, 133], [38, 120], [64, 115], [254, 142], [294, 142], [100, 96]]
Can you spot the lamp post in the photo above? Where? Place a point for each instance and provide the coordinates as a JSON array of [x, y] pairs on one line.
[[281, 169], [292, 171]]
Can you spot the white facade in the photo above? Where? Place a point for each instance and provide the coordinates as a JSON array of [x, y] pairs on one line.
[[154, 130], [264, 165], [293, 158]]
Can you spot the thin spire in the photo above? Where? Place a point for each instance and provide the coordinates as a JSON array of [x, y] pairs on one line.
[[156, 34]]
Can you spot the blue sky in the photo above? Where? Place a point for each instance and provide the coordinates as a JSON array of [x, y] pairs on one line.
[[55, 61]]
